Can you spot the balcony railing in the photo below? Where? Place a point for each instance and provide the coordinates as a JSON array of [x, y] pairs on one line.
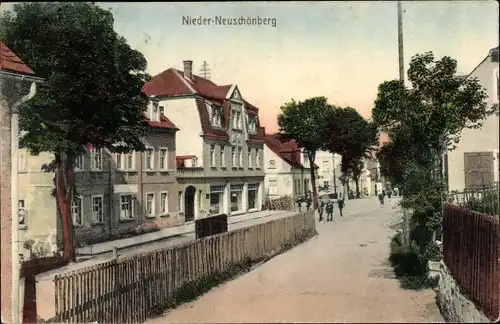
[[190, 173]]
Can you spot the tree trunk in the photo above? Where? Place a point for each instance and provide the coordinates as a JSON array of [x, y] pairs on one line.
[[357, 188], [64, 185], [346, 187], [311, 158]]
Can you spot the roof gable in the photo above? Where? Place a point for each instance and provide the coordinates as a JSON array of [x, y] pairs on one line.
[[288, 152], [171, 83], [9, 61]]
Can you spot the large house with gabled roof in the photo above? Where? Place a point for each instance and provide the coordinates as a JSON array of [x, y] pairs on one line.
[[219, 145]]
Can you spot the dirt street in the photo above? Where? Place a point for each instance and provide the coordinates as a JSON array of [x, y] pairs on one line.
[[341, 275]]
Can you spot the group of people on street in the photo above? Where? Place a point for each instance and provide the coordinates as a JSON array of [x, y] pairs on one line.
[[328, 207]]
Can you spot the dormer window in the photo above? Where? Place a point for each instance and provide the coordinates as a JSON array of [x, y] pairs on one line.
[[161, 110], [252, 123], [217, 113]]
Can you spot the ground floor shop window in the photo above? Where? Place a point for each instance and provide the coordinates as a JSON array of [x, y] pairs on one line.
[[253, 191], [216, 199], [236, 197]]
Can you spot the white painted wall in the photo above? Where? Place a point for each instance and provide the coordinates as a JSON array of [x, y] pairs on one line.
[[183, 112], [35, 188], [485, 139], [281, 173]]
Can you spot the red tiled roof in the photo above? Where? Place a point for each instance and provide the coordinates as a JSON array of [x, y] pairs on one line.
[[171, 82], [164, 122], [288, 151], [11, 62]]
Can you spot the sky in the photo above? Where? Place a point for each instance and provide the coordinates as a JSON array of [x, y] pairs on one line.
[[341, 50]]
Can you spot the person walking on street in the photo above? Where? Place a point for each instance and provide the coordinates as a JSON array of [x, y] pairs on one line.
[[329, 211], [320, 210], [381, 197], [341, 206]]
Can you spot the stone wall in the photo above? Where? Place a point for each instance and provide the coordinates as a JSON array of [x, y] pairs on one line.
[[455, 306]]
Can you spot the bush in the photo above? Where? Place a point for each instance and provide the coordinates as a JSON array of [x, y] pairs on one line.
[[409, 264]]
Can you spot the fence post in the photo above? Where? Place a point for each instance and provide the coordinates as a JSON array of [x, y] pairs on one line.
[[115, 253]]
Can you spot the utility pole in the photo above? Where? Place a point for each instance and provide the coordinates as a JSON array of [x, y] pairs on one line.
[[400, 44], [406, 213], [204, 70]]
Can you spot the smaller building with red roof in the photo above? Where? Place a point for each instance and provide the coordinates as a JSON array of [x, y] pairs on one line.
[[287, 170]]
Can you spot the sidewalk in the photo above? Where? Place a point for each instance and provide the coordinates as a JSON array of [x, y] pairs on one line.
[[162, 234]]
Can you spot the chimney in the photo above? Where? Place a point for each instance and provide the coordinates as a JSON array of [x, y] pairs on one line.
[[188, 69]]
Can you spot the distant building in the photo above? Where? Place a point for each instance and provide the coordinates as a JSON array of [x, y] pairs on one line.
[[329, 172], [286, 169], [219, 145], [475, 161]]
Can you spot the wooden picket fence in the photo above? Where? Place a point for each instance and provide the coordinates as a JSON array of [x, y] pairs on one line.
[[471, 251], [130, 290]]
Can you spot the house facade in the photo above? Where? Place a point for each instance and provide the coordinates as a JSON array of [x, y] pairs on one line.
[[18, 85], [219, 145], [329, 171], [115, 194], [475, 161], [287, 171]]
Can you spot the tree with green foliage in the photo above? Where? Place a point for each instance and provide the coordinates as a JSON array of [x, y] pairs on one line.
[[92, 94], [352, 137], [423, 122], [306, 122]]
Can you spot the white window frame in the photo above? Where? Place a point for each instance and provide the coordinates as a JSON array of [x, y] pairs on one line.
[[273, 183], [151, 163], [222, 156], [21, 208], [93, 153], [124, 165], [163, 160], [164, 201], [252, 123], [79, 162], [161, 111], [240, 157], [219, 191], [240, 190], [180, 201], [212, 155], [94, 220], [237, 119], [250, 157], [131, 204], [234, 156], [151, 213], [72, 207], [257, 158], [253, 187], [216, 116]]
